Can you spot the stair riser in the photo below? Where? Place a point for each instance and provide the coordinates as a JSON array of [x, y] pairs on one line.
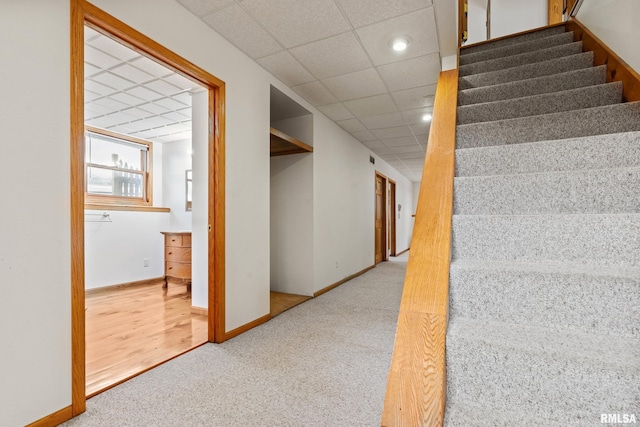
[[548, 84], [595, 152], [522, 59], [530, 71], [554, 388], [573, 124], [574, 99], [513, 40], [569, 301], [582, 239], [598, 191], [547, 42]]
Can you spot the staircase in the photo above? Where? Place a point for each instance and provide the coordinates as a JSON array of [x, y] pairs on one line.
[[544, 308]]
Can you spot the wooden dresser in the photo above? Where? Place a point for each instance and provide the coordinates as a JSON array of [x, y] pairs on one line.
[[177, 257]]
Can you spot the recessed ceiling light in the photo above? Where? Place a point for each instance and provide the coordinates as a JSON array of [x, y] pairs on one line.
[[426, 117], [400, 44]]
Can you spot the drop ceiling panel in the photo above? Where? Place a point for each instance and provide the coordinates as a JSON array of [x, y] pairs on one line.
[[315, 93], [113, 49], [374, 145], [352, 125], [169, 103], [416, 72], [418, 97], [334, 56], [394, 132], [243, 31], [98, 88], [203, 8], [286, 68], [360, 84], [144, 93], [125, 98], [371, 106], [111, 104], [421, 128], [364, 136], [413, 148], [364, 12], [415, 117], [395, 142], [297, 22], [411, 155], [163, 87], [418, 28], [336, 112], [99, 59], [383, 121], [151, 67], [131, 73]]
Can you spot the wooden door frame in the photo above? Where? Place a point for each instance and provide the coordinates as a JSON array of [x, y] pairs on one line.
[[385, 252], [83, 12], [392, 217]]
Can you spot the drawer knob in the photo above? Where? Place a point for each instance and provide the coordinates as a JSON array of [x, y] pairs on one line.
[[170, 253], [170, 268]]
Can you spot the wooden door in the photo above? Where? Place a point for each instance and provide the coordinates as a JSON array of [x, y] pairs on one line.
[[392, 218], [380, 219]]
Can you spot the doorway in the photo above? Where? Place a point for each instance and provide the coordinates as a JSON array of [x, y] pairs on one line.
[[380, 218], [393, 214], [212, 125]]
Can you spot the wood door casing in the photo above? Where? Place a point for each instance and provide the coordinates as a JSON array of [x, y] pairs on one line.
[[392, 218], [380, 219]]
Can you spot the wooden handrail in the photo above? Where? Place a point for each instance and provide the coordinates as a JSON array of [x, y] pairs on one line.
[[416, 385]]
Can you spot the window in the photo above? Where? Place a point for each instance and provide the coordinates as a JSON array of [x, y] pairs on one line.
[[117, 168]]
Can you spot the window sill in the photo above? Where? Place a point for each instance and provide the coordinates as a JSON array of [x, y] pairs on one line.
[[102, 207]]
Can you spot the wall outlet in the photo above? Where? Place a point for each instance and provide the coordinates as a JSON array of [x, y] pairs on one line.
[[145, 261], [336, 265]]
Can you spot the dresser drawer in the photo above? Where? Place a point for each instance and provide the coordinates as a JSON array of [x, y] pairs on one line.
[[177, 240], [176, 253], [178, 270]]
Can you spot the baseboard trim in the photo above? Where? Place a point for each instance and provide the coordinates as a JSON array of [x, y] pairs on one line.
[[202, 311], [401, 252], [346, 279], [144, 282], [58, 417], [244, 328]]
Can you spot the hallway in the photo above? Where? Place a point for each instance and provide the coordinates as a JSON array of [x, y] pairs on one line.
[[322, 363]]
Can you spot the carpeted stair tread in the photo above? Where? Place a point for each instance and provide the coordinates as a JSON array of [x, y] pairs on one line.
[[565, 192], [462, 413], [521, 59], [589, 152], [577, 238], [557, 375], [529, 46], [571, 124], [567, 100], [557, 82], [522, 38], [528, 71], [557, 296]]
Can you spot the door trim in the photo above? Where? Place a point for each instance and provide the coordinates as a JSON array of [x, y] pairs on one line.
[[83, 12], [385, 252], [392, 217]]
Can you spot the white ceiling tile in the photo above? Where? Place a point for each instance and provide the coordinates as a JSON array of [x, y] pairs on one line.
[[98, 58], [137, 113], [90, 70], [242, 31], [139, 125], [99, 88], [202, 8], [364, 136], [90, 33], [298, 22], [375, 145], [90, 96], [418, 28], [418, 97], [330, 57], [414, 117], [131, 73], [356, 85], [114, 48], [371, 106], [394, 132], [126, 98], [286, 68], [411, 155], [381, 150], [169, 103], [153, 108], [122, 117], [336, 112], [113, 81], [394, 142], [163, 87], [122, 129], [92, 110], [175, 116], [151, 66], [421, 71], [315, 93], [421, 128], [415, 148], [383, 121], [185, 98], [181, 82], [352, 125], [363, 12], [111, 104], [144, 93], [103, 122]]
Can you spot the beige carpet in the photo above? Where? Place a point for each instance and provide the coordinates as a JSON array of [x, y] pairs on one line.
[[322, 363]]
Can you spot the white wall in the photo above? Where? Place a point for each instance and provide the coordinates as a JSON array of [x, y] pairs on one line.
[[176, 160], [35, 320], [115, 251], [292, 224], [615, 22], [514, 16]]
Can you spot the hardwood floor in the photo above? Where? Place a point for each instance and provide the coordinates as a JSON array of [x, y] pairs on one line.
[[281, 302], [130, 330]]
